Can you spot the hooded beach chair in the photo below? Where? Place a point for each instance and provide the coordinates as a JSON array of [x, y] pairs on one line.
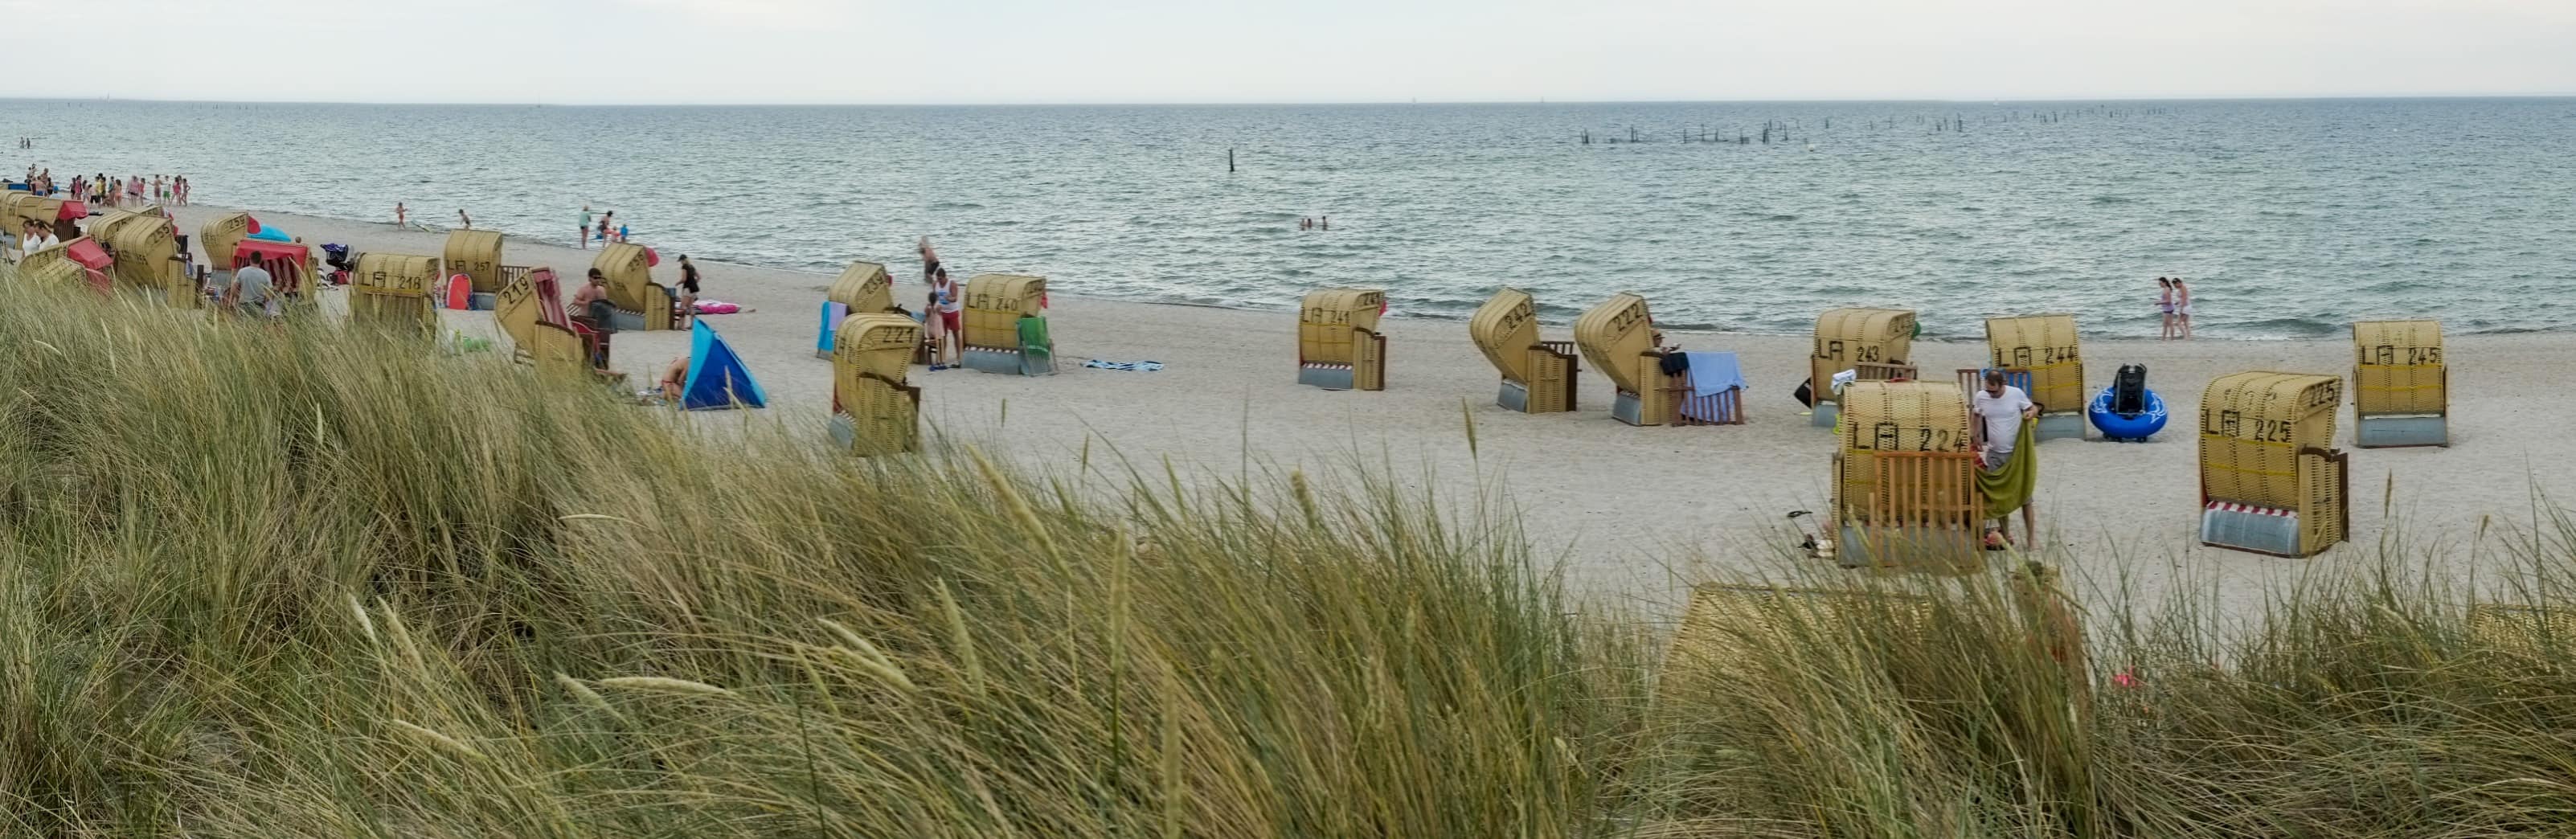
[[999, 336], [638, 302], [874, 410], [2401, 387], [529, 309], [1905, 479], [2270, 481], [146, 247], [476, 255], [1538, 376], [864, 288], [2046, 347], [1338, 346], [1872, 343], [1649, 385], [392, 291], [77, 262]]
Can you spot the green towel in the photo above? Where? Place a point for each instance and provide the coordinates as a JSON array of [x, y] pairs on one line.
[[1033, 337], [2009, 488]]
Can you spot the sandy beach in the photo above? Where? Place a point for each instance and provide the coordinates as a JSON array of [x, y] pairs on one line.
[[1632, 510]]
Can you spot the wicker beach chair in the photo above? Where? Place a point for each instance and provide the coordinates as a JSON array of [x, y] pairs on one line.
[[2401, 388], [2269, 481], [1338, 345], [874, 410], [1538, 376], [1905, 480]]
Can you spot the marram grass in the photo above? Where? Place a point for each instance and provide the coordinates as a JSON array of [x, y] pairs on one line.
[[302, 582]]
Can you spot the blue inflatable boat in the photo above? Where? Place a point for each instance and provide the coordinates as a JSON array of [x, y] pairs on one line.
[[2135, 427]]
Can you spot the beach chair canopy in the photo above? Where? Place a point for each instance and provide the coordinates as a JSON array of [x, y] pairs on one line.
[[1846, 337], [2398, 368], [219, 235], [146, 246], [2252, 426], [877, 344], [87, 254], [261, 249], [994, 305], [1896, 417], [1332, 320], [2046, 346], [1613, 335], [393, 289], [1505, 328], [863, 287], [477, 255]]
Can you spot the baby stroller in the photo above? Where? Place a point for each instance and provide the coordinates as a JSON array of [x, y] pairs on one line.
[[341, 261]]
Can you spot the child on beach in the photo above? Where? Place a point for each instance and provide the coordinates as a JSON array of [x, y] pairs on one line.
[[465, 220], [402, 216]]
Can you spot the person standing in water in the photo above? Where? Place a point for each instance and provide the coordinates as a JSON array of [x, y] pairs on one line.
[[2182, 308], [581, 235]]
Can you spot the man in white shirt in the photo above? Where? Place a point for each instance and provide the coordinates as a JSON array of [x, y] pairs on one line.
[[2000, 409]]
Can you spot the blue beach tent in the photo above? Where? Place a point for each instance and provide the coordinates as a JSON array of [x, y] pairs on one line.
[[717, 378]]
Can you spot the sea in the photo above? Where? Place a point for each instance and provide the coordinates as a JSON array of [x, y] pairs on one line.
[[2289, 218]]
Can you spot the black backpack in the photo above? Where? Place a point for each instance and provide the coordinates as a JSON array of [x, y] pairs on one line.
[[2129, 390]]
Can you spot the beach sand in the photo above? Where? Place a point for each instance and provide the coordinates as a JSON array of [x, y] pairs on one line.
[[1632, 511]]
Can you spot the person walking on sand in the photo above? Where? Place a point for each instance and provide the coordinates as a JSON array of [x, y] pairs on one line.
[[2165, 307], [464, 220], [688, 291], [581, 235], [2000, 409], [2182, 308]]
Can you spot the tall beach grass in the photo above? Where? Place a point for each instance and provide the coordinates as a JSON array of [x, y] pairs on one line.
[[303, 581]]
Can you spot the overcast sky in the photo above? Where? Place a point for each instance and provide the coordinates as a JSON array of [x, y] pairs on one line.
[[1050, 51]]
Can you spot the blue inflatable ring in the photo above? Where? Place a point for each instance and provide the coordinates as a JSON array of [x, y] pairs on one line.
[[2127, 426]]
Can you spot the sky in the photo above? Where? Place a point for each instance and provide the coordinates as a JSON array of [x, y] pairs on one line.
[[1156, 51]]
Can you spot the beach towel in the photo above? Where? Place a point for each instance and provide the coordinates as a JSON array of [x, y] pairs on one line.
[[1129, 366], [1712, 374], [2010, 487], [717, 307], [833, 313]]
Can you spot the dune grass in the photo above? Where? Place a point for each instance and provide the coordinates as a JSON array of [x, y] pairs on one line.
[[302, 582]]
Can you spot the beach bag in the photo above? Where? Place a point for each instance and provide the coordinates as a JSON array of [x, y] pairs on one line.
[[2129, 390]]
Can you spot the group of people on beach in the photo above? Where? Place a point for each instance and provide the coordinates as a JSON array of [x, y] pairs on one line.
[[2173, 300], [135, 191], [605, 228]]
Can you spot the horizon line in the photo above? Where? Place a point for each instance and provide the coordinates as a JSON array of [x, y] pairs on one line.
[[1323, 103]]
